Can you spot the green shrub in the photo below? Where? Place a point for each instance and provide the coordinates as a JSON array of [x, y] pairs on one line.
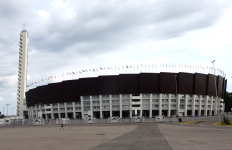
[[226, 120]]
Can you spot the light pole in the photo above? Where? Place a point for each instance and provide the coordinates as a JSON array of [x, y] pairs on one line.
[[12, 111], [3, 111], [213, 61]]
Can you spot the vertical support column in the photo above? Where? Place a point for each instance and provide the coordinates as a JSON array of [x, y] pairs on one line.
[[52, 114], [36, 112], [141, 105], [206, 105], [120, 101], [91, 106], [199, 109], [100, 97], [150, 112], [74, 110], [160, 104], [215, 106], [186, 105], [40, 109], [169, 105], [211, 106], [110, 106], [65, 110], [58, 106], [46, 115], [178, 105], [82, 108], [193, 105]]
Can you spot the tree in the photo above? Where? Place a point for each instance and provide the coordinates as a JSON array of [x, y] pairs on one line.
[[228, 101]]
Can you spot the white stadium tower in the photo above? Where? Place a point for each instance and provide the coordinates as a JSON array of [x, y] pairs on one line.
[[22, 73]]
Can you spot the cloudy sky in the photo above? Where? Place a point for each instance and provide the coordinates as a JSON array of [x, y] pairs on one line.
[[68, 35]]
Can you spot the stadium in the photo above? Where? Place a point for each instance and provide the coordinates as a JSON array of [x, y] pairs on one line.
[[128, 95]]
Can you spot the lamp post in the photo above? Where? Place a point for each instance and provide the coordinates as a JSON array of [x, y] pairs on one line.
[[213, 61], [3, 111]]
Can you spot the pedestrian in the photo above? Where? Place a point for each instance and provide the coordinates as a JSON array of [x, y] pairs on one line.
[[62, 126]]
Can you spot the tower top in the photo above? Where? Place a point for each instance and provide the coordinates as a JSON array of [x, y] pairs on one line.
[[24, 30]]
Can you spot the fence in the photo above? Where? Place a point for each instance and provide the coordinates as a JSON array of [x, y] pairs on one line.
[[20, 122]]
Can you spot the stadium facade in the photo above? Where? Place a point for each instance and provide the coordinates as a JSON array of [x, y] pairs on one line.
[[128, 95]]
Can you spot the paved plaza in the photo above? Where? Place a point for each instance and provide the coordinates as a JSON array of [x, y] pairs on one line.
[[131, 136]]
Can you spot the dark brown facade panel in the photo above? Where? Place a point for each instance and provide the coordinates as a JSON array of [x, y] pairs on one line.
[[200, 84], [108, 85], [71, 91], [220, 86], [129, 83], [88, 86], [149, 82], [167, 83], [186, 83], [211, 89]]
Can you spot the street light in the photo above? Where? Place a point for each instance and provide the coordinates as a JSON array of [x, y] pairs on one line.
[[213, 61]]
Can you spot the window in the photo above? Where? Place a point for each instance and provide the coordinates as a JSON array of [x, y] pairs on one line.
[[61, 109], [164, 100], [182, 101], [115, 96], [203, 101], [126, 101], [182, 96], [86, 103], [24, 100], [69, 103], [164, 105], [87, 108], [78, 108], [106, 106], [115, 106], [86, 97], [189, 101], [173, 100], [197, 101], [196, 106], [96, 96], [172, 105], [208, 106], [153, 105], [155, 95], [105, 96], [24, 104], [125, 106], [125, 95], [146, 100], [55, 109], [146, 95], [115, 101], [96, 107], [173, 95], [69, 108], [146, 105], [164, 95], [202, 106], [77, 103], [189, 105], [106, 101], [155, 100], [61, 104], [182, 106], [96, 102]]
